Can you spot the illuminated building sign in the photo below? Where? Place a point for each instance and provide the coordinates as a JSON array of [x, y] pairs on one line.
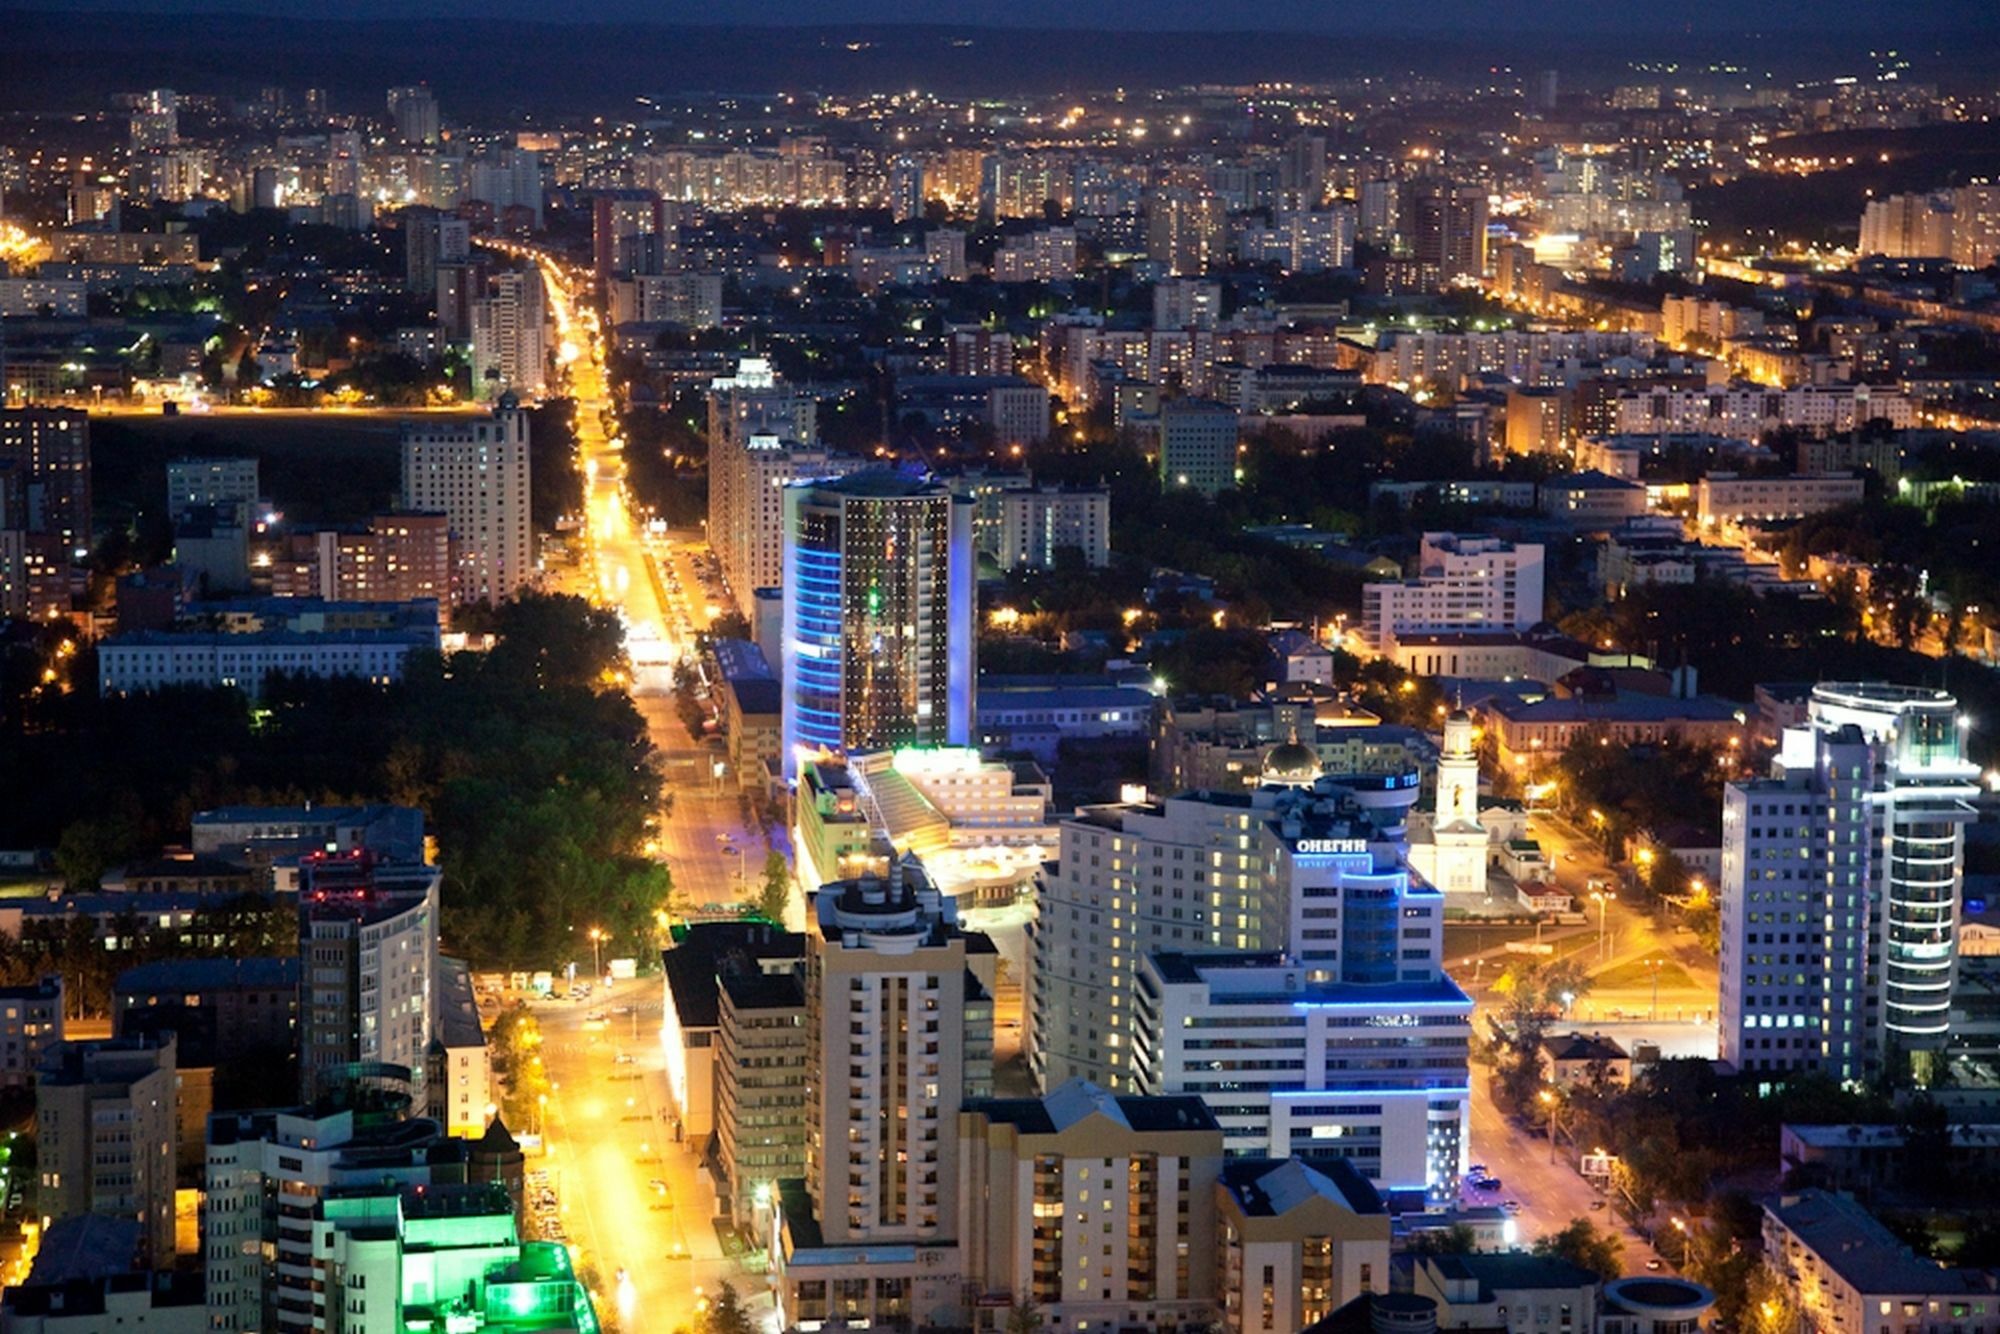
[[1311, 846]]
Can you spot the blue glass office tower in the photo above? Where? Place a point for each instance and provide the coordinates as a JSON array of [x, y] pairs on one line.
[[879, 615]]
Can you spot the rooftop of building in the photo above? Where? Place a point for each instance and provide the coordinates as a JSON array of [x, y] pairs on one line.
[[741, 660], [184, 976], [1175, 967], [1079, 1099], [1582, 1047], [87, 1246], [1855, 1245], [878, 484], [105, 1060], [749, 989], [1267, 1187], [1511, 1271], [197, 866], [1376, 1312], [458, 1025], [1622, 707], [694, 965]]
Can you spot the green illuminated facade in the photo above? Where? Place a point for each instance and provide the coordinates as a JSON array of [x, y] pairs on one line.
[[440, 1260]]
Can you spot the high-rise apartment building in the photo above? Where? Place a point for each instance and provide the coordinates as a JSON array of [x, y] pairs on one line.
[[368, 968], [510, 334], [1446, 227], [105, 1134], [1094, 1206], [45, 454], [760, 1073], [476, 473], [1187, 231], [899, 1034], [431, 238], [1464, 583], [1841, 877], [879, 615], [1197, 446], [753, 457], [414, 113], [632, 232], [1296, 1242], [1035, 525]]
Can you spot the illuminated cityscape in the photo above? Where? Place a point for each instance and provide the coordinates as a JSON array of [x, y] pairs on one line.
[[1084, 670]]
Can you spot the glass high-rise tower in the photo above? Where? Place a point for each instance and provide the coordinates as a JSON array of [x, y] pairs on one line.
[[879, 615]]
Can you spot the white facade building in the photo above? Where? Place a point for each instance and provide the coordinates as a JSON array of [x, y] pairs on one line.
[[1464, 582], [510, 335], [476, 473], [1453, 856], [1747, 412], [1841, 879], [1723, 498], [1034, 525]]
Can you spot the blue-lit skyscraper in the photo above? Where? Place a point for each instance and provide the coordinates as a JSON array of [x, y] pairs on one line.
[[879, 615]]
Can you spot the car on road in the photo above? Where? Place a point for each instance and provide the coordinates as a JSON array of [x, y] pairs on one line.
[[1511, 1206], [1654, 1266], [1486, 1183], [659, 1186], [1597, 1204], [1476, 1171], [622, 1058]]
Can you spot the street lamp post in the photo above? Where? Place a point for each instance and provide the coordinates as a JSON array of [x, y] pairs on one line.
[[1654, 966], [1550, 1101], [596, 961], [1603, 897]]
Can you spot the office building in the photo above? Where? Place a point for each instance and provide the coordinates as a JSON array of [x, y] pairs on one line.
[[272, 836], [1297, 1242], [105, 1135], [1197, 446], [413, 112], [1857, 834], [234, 1024], [510, 349], [899, 1032], [476, 473], [1464, 582], [296, 637], [1206, 870], [879, 613], [1095, 1207], [264, 1176], [368, 951], [1391, 1097], [31, 1021]]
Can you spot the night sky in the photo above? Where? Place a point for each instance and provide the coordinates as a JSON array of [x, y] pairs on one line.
[[1462, 19]]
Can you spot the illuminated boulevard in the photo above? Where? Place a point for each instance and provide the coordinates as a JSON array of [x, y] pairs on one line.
[[633, 1200]]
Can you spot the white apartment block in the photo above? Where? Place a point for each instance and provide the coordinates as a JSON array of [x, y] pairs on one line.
[[193, 483], [476, 473], [1748, 412], [510, 335], [1450, 358], [761, 439], [691, 300], [142, 661], [1841, 879], [1047, 255], [1464, 582], [31, 1020], [1034, 525], [1723, 498]]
